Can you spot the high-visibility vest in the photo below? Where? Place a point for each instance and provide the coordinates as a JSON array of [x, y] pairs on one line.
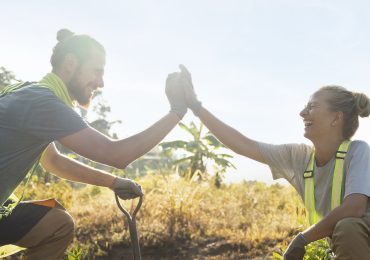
[[337, 183]]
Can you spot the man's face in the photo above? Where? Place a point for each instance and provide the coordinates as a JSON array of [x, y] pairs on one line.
[[87, 78]]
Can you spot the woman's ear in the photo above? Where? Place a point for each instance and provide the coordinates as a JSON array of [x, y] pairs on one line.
[[338, 118]]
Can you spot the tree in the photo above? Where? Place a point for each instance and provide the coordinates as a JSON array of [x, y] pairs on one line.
[[101, 123], [6, 77], [200, 150], [156, 161]]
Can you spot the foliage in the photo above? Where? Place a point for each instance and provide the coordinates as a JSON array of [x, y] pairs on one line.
[[200, 150], [157, 160], [6, 77], [318, 250], [76, 253], [35, 190], [102, 122], [235, 221], [252, 217]]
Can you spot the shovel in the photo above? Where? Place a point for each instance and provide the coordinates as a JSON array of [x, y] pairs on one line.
[[131, 219]]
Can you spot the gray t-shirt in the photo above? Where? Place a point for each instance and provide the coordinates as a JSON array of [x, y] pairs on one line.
[[30, 119], [289, 161]]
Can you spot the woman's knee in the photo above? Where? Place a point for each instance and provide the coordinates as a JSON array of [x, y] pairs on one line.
[[347, 229]]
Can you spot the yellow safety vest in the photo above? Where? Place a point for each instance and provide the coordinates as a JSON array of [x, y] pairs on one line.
[[336, 190]]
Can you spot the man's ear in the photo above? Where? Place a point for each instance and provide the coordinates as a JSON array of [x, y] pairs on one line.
[[70, 63]]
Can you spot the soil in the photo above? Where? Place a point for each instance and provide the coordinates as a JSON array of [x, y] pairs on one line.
[[211, 249], [208, 249]]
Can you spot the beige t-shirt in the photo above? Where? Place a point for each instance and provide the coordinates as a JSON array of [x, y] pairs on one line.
[[289, 161]]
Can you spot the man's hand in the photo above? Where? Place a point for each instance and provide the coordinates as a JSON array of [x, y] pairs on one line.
[[126, 189], [191, 98], [175, 94], [295, 250]]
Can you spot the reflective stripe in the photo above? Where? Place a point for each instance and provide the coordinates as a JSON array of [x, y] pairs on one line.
[[309, 196], [336, 191]]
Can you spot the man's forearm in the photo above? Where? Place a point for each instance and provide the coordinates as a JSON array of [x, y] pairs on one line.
[[70, 169], [92, 144], [127, 150]]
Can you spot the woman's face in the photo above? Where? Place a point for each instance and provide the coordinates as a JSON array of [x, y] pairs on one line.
[[319, 121]]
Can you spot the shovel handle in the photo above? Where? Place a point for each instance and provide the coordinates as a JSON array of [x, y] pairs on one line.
[[131, 219], [128, 215]]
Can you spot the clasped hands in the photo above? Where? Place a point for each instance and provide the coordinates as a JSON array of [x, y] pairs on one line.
[[180, 93], [181, 96]]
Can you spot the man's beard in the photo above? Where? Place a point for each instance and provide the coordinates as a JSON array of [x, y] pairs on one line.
[[78, 93]]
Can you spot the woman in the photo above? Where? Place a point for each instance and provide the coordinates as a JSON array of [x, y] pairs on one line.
[[330, 119]]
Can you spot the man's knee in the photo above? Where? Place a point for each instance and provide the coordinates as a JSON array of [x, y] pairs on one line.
[[57, 226], [66, 224]]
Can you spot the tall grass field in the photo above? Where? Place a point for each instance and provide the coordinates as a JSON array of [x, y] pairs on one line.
[[181, 219]]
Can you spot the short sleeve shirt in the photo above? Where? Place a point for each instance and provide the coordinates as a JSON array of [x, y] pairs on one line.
[[30, 119], [289, 161]]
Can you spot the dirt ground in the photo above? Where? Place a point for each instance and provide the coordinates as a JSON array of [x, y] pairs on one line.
[[211, 249]]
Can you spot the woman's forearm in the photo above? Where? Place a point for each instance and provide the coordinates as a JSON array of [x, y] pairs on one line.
[[353, 206], [230, 137]]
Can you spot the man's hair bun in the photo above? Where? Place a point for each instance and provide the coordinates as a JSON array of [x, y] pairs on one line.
[[63, 34], [80, 45]]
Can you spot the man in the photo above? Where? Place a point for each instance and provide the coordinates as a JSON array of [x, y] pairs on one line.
[[33, 116]]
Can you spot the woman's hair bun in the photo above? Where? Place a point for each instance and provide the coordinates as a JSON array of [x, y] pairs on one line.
[[362, 103], [63, 34]]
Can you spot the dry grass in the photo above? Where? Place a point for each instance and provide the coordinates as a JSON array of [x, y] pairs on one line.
[[182, 218]]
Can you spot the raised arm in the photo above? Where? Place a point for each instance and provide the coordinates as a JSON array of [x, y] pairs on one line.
[[229, 136], [119, 153]]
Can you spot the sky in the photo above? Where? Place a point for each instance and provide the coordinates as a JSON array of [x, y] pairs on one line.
[[254, 63]]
